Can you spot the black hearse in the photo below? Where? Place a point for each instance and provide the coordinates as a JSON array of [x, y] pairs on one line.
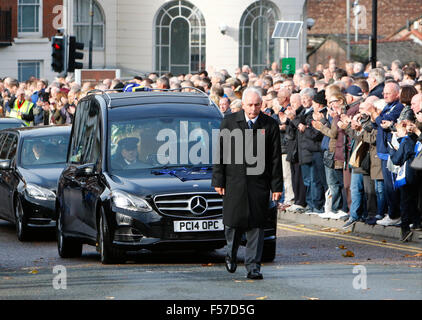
[[31, 160], [134, 178]]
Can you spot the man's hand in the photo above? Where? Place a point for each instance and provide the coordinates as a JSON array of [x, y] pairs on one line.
[[356, 125], [332, 113], [342, 125], [282, 117], [276, 196], [345, 118], [385, 124], [317, 116], [220, 191], [317, 125], [301, 127], [290, 113], [411, 127]]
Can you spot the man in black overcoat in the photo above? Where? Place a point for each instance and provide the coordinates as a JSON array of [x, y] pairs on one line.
[[245, 185]]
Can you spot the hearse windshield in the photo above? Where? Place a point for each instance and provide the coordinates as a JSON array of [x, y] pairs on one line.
[[161, 142]]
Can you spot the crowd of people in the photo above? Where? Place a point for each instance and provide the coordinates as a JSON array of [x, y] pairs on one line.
[[349, 134]]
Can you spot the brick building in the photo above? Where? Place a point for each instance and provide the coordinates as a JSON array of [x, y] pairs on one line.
[[26, 27], [330, 16], [327, 38]]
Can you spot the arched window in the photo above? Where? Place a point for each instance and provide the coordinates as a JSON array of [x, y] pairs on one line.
[[256, 47], [179, 38], [82, 24]]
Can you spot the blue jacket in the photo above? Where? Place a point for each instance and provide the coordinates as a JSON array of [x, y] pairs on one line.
[[391, 112], [404, 155], [378, 91], [325, 143], [405, 152], [35, 96]]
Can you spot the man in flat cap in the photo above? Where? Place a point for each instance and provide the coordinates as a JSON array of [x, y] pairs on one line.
[[127, 154]]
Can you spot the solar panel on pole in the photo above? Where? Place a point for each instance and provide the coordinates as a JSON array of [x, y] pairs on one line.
[[287, 29]]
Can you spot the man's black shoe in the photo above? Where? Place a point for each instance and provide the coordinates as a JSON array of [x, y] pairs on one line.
[[255, 275], [230, 265], [406, 235]]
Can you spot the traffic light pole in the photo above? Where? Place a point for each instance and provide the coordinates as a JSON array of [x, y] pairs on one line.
[[374, 34], [91, 12], [66, 50]]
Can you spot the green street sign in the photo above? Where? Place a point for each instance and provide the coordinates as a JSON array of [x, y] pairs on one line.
[[288, 65]]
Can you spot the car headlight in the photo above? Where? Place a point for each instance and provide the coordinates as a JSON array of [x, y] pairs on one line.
[[40, 193], [123, 200]]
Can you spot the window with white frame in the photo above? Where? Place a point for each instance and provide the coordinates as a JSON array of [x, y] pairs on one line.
[[256, 47], [28, 69], [179, 38], [29, 16], [82, 24]]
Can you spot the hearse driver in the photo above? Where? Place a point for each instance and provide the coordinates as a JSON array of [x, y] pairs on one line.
[[127, 154]]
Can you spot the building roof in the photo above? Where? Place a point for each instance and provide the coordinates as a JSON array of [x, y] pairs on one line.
[[387, 50]]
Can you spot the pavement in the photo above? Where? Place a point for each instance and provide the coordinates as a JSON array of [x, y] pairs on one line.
[[391, 232]]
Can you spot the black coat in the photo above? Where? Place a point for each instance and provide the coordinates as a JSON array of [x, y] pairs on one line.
[[247, 197], [283, 139], [290, 137], [308, 141]]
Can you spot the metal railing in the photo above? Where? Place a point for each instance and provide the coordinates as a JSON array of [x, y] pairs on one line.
[[106, 93]]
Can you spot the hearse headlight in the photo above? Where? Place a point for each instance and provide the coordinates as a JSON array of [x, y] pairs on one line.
[[39, 193], [125, 201]]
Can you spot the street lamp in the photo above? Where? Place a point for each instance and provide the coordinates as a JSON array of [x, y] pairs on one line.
[[356, 11], [348, 28]]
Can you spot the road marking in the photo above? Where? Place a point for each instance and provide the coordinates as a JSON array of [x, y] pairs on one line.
[[358, 238], [372, 242]]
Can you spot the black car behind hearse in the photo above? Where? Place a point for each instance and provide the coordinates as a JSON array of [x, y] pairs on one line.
[[7, 123], [31, 160], [138, 176]]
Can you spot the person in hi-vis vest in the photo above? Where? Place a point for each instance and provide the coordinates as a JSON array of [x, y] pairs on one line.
[[22, 108]]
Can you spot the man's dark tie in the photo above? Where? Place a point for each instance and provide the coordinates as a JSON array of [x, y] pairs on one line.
[[250, 124]]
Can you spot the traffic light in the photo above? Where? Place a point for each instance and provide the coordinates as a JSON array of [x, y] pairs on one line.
[[58, 53], [74, 54]]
